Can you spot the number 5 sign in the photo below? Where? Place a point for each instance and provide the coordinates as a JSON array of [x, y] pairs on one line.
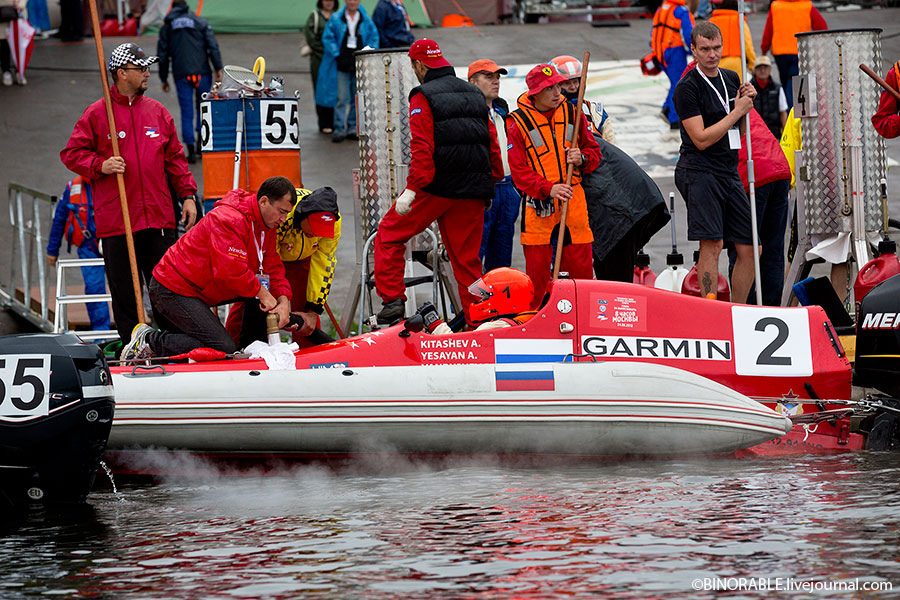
[[24, 385], [771, 342]]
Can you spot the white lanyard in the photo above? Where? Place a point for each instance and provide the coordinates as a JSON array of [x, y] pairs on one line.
[[259, 245], [718, 95]]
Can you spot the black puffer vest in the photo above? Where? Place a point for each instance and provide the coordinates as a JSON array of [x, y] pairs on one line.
[[766, 104], [462, 142]]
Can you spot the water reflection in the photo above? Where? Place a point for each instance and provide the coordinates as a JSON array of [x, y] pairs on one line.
[[641, 530]]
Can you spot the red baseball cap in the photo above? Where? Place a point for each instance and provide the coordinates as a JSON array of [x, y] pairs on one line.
[[541, 77], [485, 65], [429, 53], [322, 224]]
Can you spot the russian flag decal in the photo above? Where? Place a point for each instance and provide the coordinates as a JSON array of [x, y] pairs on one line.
[[524, 365]]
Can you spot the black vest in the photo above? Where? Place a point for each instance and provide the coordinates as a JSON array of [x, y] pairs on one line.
[[766, 104], [462, 142]]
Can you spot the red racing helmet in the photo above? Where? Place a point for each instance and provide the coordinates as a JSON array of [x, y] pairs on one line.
[[568, 66], [504, 292]]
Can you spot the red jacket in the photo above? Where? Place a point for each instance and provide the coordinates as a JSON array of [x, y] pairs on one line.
[[149, 144], [217, 260], [769, 162], [421, 146], [887, 119]]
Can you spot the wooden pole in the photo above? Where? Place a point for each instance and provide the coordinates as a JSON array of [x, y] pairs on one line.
[[120, 178], [334, 322], [868, 71], [561, 237]]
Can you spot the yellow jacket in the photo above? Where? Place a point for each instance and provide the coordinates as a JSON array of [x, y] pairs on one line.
[[294, 246]]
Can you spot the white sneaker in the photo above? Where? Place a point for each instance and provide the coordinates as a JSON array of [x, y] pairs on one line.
[[138, 348], [7, 78], [20, 79]]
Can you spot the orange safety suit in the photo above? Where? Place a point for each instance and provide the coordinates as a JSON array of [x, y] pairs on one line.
[[667, 29], [727, 21], [789, 17]]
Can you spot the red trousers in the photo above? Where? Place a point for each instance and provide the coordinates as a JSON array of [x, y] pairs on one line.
[[297, 273], [576, 260], [460, 222]]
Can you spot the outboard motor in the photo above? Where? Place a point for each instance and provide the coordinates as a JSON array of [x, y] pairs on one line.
[[878, 339], [56, 410]]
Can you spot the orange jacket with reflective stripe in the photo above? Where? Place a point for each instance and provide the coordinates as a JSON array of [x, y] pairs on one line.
[[666, 29], [788, 18]]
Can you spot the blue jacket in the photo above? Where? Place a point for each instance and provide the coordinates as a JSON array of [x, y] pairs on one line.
[[189, 42], [393, 26], [332, 38], [61, 216]]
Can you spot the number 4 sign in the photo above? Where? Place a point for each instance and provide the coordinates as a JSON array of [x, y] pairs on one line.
[[771, 342]]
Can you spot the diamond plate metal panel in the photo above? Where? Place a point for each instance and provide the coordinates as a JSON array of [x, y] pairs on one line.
[[384, 79], [846, 101]]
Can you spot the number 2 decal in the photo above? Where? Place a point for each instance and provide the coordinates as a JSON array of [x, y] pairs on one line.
[[771, 342]]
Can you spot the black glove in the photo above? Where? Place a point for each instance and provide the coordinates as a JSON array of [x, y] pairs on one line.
[[543, 207], [430, 316]]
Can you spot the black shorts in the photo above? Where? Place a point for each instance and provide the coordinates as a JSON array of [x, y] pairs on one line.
[[717, 206]]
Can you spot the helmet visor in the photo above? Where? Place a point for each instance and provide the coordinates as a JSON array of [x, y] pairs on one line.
[[480, 289]]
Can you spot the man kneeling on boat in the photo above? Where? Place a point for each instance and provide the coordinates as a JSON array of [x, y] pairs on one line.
[[506, 296], [229, 255]]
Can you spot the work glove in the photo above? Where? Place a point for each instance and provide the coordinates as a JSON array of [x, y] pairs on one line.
[[543, 207], [403, 204], [430, 316]]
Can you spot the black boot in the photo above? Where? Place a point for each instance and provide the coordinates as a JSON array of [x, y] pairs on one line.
[[391, 311], [191, 155]]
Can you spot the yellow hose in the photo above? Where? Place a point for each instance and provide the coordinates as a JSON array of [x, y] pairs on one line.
[[259, 69]]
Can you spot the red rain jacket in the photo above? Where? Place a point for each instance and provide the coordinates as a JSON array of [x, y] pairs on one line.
[[149, 144], [217, 260]]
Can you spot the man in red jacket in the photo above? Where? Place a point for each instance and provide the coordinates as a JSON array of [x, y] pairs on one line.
[[150, 154], [887, 119], [231, 254]]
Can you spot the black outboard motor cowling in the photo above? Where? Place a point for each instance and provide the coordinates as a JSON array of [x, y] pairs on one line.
[[878, 339], [56, 410]]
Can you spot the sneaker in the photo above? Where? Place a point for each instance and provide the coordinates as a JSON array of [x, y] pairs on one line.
[[391, 311], [7, 78], [138, 348], [352, 136], [327, 130], [20, 79], [337, 138]]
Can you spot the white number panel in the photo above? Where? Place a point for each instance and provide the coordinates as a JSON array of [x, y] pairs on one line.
[[206, 138], [280, 124], [24, 385], [771, 342]]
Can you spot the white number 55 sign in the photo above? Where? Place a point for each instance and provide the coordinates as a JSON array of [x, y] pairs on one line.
[[771, 342], [24, 385]]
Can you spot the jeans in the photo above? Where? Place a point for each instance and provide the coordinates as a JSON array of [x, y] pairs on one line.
[[771, 220], [345, 111], [185, 313], [38, 15], [94, 283], [189, 100], [500, 226], [788, 66]]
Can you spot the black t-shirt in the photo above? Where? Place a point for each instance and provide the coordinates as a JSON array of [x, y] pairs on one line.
[[693, 96]]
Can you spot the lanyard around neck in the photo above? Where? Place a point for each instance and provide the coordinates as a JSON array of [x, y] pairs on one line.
[[259, 246], [718, 95]]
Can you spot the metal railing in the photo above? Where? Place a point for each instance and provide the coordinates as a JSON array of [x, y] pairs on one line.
[[64, 299]]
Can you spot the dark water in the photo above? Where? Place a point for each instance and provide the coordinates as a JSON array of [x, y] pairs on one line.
[[403, 530]]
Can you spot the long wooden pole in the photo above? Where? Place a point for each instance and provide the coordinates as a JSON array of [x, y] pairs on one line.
[[561, 236], [877, 79], [120, 178]]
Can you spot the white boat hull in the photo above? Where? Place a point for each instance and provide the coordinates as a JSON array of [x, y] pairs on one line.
[[594, 409]]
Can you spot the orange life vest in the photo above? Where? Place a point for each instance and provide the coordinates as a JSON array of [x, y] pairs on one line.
[[727, 21], [897, 72], [545, 144], [80, 209], [666, 32], [789, 17]]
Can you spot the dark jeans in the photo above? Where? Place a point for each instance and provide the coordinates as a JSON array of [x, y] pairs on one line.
[[149, 247], [771, 218], [189, 100], [186, 314], [788, 66]]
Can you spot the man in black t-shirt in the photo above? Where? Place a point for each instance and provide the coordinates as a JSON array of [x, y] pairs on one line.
[[712, 103]]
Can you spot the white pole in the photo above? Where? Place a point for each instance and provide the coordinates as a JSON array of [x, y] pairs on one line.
[[751, 178], [237, 150]]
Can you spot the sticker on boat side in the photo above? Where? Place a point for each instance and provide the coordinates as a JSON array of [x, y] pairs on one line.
[[613, 311], [771, 342], [450, 350], [613, 346], [24, 385]]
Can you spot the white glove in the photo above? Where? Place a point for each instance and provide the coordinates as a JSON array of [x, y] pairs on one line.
[[442, 329], [403, 204]]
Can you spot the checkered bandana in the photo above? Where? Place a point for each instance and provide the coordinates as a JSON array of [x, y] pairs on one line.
[[129, 53]]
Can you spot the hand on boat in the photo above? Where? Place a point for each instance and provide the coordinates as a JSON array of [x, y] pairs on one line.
[[267, 301], [283, 310], [309, 322], [113, 164]]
